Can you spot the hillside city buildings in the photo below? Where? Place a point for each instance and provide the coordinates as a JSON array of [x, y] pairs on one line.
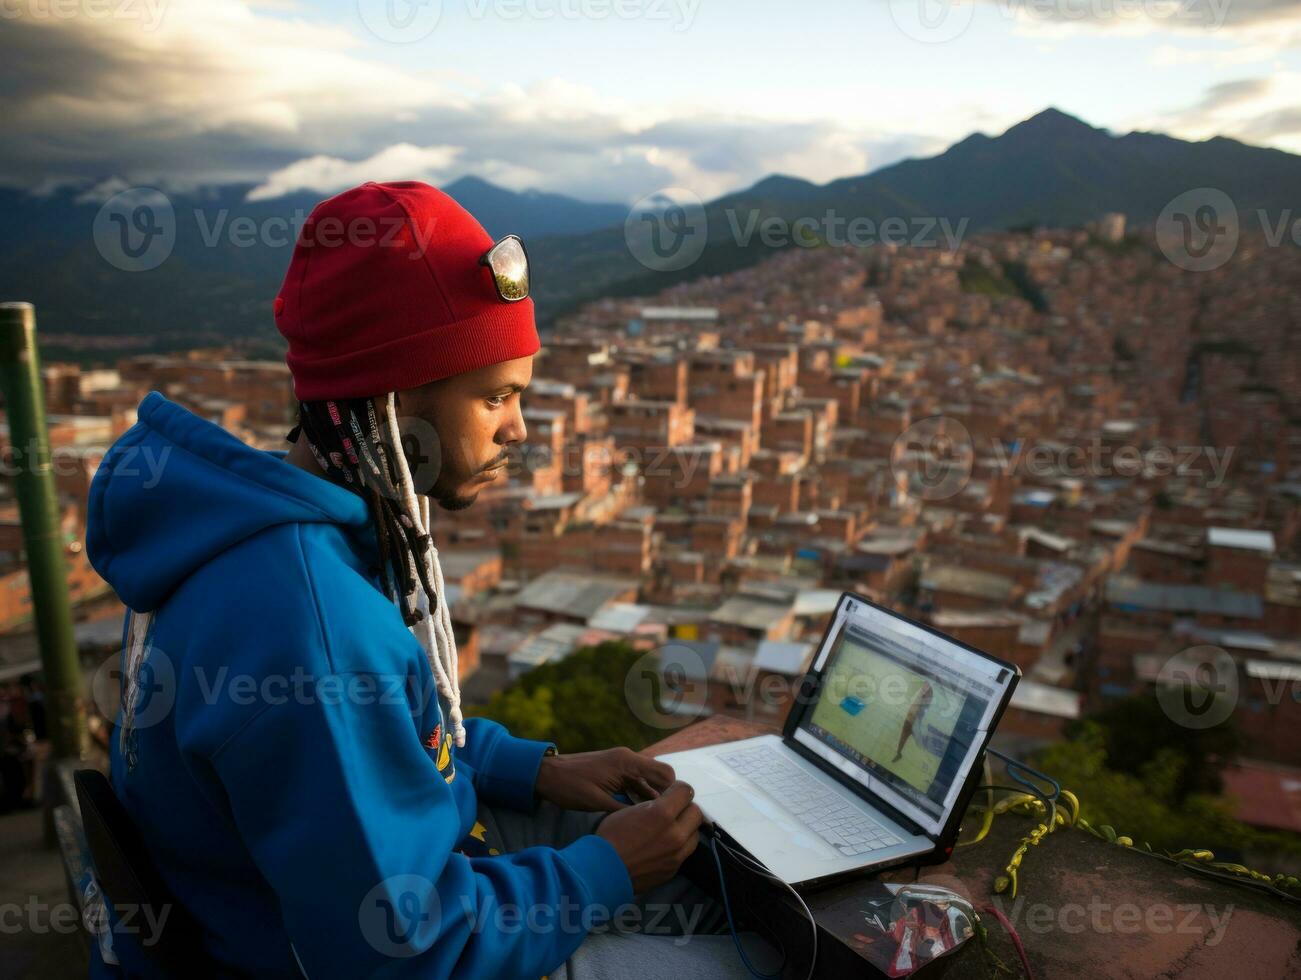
[[1055, 446]]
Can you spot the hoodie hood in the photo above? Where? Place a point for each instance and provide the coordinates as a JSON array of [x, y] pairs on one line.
[[176, 490]]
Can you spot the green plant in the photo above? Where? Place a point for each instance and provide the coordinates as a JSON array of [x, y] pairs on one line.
[[581, 703], [1146, 805], [1136, 730]]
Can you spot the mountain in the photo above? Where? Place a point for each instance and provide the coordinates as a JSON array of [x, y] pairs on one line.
[[226, 264], [1054, 170], [1050, 170], [532, 213]]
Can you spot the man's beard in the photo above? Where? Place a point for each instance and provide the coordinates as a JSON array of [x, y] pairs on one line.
[[449, 499], [452, 501]]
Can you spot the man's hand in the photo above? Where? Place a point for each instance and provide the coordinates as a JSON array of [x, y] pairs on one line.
[[654, 837], [589, 780]]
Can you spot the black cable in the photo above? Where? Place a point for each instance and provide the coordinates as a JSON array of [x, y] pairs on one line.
[[1015, 767]]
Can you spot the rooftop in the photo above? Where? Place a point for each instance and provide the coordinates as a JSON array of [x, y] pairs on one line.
[[571, 594], [1158, 596], [749, 612], [1045, 699], [555, 642], [781, 657], [968, 581], [620, 617], [1232, 537], [1267, 796]]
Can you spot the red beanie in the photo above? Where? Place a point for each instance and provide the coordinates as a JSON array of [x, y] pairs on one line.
[[385, 291]]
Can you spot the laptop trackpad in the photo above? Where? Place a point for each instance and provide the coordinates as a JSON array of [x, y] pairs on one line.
[[756, 818]]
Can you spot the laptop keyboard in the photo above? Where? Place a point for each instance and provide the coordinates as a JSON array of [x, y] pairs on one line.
[[822, 810]]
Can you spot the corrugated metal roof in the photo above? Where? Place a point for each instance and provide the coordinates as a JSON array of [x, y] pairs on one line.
[[816, 602], [732, 665], [571, 594], [1267, 796], [1045, 699], [967, 581], [1274, 670], [693, 658], [780, 657], [749, 613], [554, 643], [620, 617], [1183, 598], [951, 619], [1233, 537]]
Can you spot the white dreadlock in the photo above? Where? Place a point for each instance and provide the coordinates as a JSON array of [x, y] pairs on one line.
[[434, 630], [438, 639], [137, 631]]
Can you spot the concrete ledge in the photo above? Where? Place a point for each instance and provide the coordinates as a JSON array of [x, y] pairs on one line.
[[1089, 908]]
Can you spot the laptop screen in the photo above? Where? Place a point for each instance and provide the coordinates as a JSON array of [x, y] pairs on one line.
[[906, 707]]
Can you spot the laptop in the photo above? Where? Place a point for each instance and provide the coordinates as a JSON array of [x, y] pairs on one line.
[[879, 755]]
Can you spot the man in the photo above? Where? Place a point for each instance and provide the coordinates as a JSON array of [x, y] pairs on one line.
[[292, 746], [921, 702]]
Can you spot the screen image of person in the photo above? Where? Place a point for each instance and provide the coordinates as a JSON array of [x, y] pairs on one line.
[[887, 714]]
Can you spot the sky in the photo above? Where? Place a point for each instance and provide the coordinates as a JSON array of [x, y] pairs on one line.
[[606, 100]]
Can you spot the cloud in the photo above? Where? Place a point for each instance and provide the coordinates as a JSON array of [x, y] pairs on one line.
[[214, 92], [220, 91], [1232, 93], [185, 93], [327, 174], [1255, 110], [1145, 16]]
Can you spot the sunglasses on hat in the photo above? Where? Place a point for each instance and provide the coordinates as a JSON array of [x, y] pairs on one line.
[[510, 268]]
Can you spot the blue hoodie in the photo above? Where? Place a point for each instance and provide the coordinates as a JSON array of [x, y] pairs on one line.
[[293, 778]]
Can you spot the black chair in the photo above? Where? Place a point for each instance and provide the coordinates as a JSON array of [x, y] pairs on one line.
[[130, 881]]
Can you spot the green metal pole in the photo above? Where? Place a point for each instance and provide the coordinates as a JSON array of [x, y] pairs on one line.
[[20, 378]]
